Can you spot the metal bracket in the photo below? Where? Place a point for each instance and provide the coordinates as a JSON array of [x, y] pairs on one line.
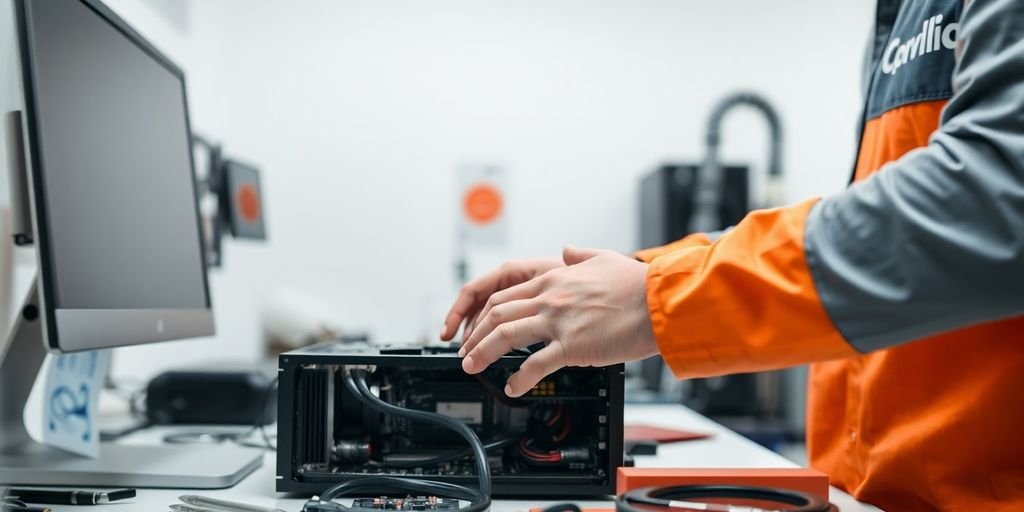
[[17, 174]]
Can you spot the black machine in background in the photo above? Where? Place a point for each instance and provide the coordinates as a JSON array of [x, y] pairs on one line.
[[564, 437], [668, 200], [678, 199], [211, 397]]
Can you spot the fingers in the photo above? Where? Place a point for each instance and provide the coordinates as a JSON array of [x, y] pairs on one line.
[[576, 255], [478, 330], [539, 365], [468, 304], [470, 298], [497, 315], [459, 310], [507, 336], [470, 324], [471, 321]]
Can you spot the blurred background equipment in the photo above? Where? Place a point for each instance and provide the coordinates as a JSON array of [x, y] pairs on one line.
[[238, 205], [291, 319], [245, 204], [211, 397], [678, 199], [669, 200], [773, 191]]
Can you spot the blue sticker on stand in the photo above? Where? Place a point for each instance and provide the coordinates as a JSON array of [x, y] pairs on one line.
[[72, 392]]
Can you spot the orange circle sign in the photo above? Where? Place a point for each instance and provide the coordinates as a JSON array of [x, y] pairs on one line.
[[248, 201], [482, 203]]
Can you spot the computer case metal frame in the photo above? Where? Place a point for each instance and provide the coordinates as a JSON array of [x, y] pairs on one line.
[[288, 480]]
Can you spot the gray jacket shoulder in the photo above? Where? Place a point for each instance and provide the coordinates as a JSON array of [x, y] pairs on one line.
[[935, 240]]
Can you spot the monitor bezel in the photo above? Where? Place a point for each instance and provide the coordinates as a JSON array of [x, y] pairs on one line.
[[90, 329]]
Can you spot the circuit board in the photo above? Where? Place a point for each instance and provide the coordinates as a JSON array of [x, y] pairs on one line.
[[406, 503]]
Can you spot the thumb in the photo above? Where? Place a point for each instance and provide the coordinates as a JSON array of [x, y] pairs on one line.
[[574, 255]]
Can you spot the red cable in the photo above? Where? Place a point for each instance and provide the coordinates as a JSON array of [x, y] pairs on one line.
[[537, 456], [554, 418]]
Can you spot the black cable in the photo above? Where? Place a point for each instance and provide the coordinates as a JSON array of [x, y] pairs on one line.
[[466, 452], [483, 470], [562, 507], [499, 394], [675, 498], [109, 436], [272, 388], [258, 422], [480, 500], [132, 397]]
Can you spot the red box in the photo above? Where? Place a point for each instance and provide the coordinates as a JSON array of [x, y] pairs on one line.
[[796, 479]]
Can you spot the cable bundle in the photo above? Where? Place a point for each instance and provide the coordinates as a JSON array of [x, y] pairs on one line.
[[525, 447], [480, 499]]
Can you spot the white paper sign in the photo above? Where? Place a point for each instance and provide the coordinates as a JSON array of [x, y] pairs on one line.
[[71, 401], [483, 204]]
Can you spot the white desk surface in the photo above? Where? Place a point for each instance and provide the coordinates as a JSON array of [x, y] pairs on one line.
[[724, 449]]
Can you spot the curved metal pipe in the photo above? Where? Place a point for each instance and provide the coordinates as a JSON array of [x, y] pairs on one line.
[[714, 130]]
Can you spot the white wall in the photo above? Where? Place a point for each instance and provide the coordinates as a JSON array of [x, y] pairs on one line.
[[359, 112]]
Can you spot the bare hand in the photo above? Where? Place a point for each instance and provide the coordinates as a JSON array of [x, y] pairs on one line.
[[593, 311], [475, 293]]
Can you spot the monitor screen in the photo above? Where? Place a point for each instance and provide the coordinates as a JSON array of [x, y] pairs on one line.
[[118, 226]]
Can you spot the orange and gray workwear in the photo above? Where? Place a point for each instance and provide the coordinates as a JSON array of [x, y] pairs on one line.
[[906, 290]]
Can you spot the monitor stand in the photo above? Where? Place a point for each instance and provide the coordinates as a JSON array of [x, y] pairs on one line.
[[23, 461]]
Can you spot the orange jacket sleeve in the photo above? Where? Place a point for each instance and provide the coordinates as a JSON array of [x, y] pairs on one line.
[[746, 302], [694, 240]]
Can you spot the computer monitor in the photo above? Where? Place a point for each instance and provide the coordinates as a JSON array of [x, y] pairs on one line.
[[118, 229], [116, 225]]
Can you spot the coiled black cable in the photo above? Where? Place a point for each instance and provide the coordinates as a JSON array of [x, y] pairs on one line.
[[674, 498], [480, 500]]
